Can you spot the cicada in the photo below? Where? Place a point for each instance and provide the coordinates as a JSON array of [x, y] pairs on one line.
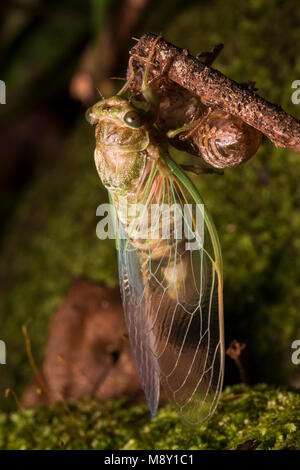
[[170, 278]]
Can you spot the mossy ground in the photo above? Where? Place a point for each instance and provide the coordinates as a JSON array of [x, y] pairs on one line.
[[269, 415]]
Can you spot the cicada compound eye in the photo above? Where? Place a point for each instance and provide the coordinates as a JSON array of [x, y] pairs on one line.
[[91, 115], [133, 119]]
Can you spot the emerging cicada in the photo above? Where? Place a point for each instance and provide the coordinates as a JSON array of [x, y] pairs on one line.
[[171, 279]]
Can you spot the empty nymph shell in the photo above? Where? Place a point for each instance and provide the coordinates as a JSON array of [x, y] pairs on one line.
[[222, 140]]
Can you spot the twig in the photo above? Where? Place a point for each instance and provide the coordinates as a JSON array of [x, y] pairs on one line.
[[32, 362], [10, 391], [251, 444], [232, 397], [215, 89], [234, 352]]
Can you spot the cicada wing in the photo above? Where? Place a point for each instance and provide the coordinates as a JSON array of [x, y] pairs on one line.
[[137, 317], [196, 339], [192, 361], [172, 298]]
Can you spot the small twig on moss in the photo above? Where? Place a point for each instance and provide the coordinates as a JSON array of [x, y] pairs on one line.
[[234, 352], [251, 444], [232, 397], [10, 391], [215, 89], [37, 373]]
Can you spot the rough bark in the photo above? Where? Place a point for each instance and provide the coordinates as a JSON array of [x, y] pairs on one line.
[[215, 89]]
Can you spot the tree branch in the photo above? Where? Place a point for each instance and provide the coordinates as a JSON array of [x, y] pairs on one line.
[[215, 89]]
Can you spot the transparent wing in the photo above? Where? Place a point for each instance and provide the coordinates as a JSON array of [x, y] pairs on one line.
[[171, 285]]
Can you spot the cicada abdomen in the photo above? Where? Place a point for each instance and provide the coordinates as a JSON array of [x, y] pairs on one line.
[[222, 140]]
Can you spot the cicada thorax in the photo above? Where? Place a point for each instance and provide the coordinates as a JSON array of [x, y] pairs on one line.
[[121, 151]]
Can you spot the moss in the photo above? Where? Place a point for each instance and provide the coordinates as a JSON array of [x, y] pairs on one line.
[[266, 414]]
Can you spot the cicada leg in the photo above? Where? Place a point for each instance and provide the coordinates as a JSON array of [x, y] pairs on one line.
[[189, 129], [191, 126], [149, 95], [132, 72], [201, 171], [130, 79]]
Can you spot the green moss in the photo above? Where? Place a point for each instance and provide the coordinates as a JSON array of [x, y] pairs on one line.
[[268, 415]]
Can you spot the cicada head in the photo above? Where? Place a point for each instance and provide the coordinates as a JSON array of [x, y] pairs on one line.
[[121, 140]]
